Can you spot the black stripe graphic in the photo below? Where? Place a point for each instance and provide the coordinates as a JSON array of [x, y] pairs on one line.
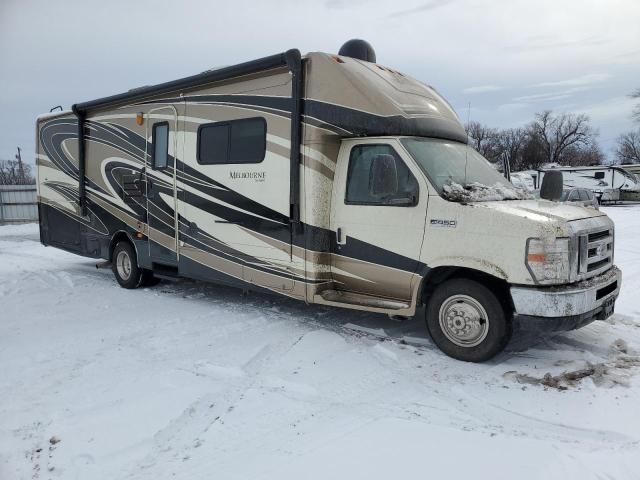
[[343, 120], [273, 224]]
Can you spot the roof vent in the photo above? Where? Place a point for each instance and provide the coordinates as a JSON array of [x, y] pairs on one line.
[[359, 49]]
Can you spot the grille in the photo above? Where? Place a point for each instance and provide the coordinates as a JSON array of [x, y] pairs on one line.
[[595, 253]]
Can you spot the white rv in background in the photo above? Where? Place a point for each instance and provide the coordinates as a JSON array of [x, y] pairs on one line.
[[609, 183], [633, 168]]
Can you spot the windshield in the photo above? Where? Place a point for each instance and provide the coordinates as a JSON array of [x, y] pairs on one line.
[[458, 172]]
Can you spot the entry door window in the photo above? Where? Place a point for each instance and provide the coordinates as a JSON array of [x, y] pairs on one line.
[[160, 142], [378, 176]]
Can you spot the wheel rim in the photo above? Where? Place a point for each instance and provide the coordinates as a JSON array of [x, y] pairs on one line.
[[123, 265], [464, 320]]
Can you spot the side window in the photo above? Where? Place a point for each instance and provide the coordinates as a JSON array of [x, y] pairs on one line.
[[378, 176], [598, 175], [213, 143], [236, 141], [160, 145], [574, 196]]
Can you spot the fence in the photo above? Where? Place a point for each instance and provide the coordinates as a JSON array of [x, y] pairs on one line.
[[18, 204]]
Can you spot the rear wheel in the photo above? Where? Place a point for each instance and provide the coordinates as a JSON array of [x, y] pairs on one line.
[[467, 321], [124, 265]]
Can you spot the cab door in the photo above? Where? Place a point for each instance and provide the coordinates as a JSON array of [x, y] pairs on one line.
[[162, 215], [378, 215]]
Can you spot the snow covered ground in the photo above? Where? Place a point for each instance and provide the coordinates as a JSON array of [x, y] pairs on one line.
[[194, 381]]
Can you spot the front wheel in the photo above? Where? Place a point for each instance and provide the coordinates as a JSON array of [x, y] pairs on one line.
[[467, 321]]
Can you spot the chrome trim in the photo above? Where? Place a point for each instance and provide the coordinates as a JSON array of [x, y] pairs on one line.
[[123, 265], [463, 320], [578, 231], [566, 300], [603, 250]]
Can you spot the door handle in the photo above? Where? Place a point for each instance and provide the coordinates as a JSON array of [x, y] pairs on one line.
[[340, 237]]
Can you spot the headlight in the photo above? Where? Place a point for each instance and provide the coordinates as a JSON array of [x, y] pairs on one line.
[[548, 260]]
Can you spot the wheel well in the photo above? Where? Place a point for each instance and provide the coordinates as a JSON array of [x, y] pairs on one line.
[[440, 274], [118, 237]]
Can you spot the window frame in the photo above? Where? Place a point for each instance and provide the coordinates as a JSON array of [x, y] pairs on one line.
[[586, 195], [574, 196], [153, 145], [375, 204], [229, 123]]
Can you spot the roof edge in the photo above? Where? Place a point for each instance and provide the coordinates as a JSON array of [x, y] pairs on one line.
[[284, 59]]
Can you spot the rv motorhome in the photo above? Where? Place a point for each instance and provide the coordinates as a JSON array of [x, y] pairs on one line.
[[324, 178]]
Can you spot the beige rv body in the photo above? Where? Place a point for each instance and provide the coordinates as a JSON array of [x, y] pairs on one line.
[[235, 220]]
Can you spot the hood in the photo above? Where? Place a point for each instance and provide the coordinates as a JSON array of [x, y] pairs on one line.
[[541, 210]]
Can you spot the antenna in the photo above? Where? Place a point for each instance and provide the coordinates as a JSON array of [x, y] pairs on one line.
[[466, 153], [506, 166]]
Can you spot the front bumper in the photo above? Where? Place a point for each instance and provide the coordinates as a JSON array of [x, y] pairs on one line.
[[567, 307]]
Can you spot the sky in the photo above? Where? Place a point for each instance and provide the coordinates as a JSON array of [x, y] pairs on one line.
[[498, 62]]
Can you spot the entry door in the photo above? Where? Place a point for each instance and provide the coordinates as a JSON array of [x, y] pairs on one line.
[[161, 186], [378, 218]]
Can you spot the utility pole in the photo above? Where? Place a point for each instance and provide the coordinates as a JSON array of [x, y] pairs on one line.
[[21, 179]]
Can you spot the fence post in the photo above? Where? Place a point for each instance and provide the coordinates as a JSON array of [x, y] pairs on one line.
[[1, 209]]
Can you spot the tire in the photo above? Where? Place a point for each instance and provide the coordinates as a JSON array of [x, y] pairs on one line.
[[124, 265], [450, 315]]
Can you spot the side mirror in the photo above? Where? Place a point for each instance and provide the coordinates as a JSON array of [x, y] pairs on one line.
[[551, 188], [383, 176]]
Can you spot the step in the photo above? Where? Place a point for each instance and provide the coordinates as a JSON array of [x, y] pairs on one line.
[[164, 271], [350, 298]]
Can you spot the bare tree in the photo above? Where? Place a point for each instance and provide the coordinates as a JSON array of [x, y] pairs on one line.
[[14, 172], [509, 145], [583, 156], [636, 109], [483, 139], [628, 148], [557, 133], [566, 139]]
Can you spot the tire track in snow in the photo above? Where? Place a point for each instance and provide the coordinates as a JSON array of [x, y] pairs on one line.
[[173, 443], [522, 425]]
